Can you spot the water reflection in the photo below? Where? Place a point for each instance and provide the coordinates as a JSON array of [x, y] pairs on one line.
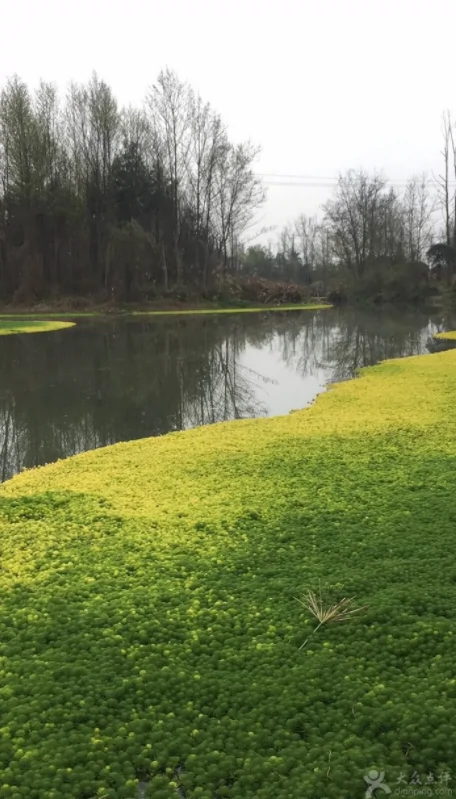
[[102, 382]]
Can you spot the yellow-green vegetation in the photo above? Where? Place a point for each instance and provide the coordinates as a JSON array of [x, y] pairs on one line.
[[149, 628], [236, 309], [448, 335], [51, 315], [102, 313], [10, 326]]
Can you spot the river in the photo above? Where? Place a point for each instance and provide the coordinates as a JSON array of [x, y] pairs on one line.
[[113, 380]]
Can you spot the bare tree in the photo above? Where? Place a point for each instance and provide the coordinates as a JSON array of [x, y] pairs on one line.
[[352, 218], [307, 230], [417, 210], [93, 128], [443, 181], [169, 102], [450, 126], [207, 134], [239, 194]]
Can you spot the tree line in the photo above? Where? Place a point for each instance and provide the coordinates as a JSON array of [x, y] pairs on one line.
[[370, 240], [133, 203], [118, 202]]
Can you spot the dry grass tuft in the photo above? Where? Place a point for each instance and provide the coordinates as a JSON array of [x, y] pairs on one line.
[[342, 611]]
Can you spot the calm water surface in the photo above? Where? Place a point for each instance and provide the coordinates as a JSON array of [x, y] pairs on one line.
[[106, 381]]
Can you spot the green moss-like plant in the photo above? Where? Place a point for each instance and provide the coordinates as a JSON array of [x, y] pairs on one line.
[[11, 326], [149, 634]]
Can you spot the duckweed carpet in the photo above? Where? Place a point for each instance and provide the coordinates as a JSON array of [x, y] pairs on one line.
[[149, 631]]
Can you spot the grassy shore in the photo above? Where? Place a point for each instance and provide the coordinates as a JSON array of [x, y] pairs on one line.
[[158, 309], [235, 309], [10, 326], [150, 628]]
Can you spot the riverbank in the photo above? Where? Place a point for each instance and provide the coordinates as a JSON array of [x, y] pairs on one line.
[[231, 310], [161, 307], [149, 603]]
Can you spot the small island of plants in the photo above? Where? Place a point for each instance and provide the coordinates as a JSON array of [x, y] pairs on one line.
[[448, 335], [10, 326]]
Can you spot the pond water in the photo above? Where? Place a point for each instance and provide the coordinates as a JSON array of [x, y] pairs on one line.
[[106, 381]]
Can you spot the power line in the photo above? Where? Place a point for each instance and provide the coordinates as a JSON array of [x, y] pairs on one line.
[[333, 185], [330, 177], [303, 177], [321, 185], [320, 181], [315, 185], [295, 183]]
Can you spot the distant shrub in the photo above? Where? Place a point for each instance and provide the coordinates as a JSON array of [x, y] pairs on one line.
[[261, 291]]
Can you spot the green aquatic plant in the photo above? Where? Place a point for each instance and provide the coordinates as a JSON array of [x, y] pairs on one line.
[[147, 636]]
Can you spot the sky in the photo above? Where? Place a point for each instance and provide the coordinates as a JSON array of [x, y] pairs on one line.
[[321, 86]]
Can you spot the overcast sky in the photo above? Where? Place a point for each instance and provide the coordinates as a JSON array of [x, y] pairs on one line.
[[321, 85]]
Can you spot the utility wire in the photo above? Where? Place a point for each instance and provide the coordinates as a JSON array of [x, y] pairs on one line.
[[321, 182], [303, 177], [319, 185]]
